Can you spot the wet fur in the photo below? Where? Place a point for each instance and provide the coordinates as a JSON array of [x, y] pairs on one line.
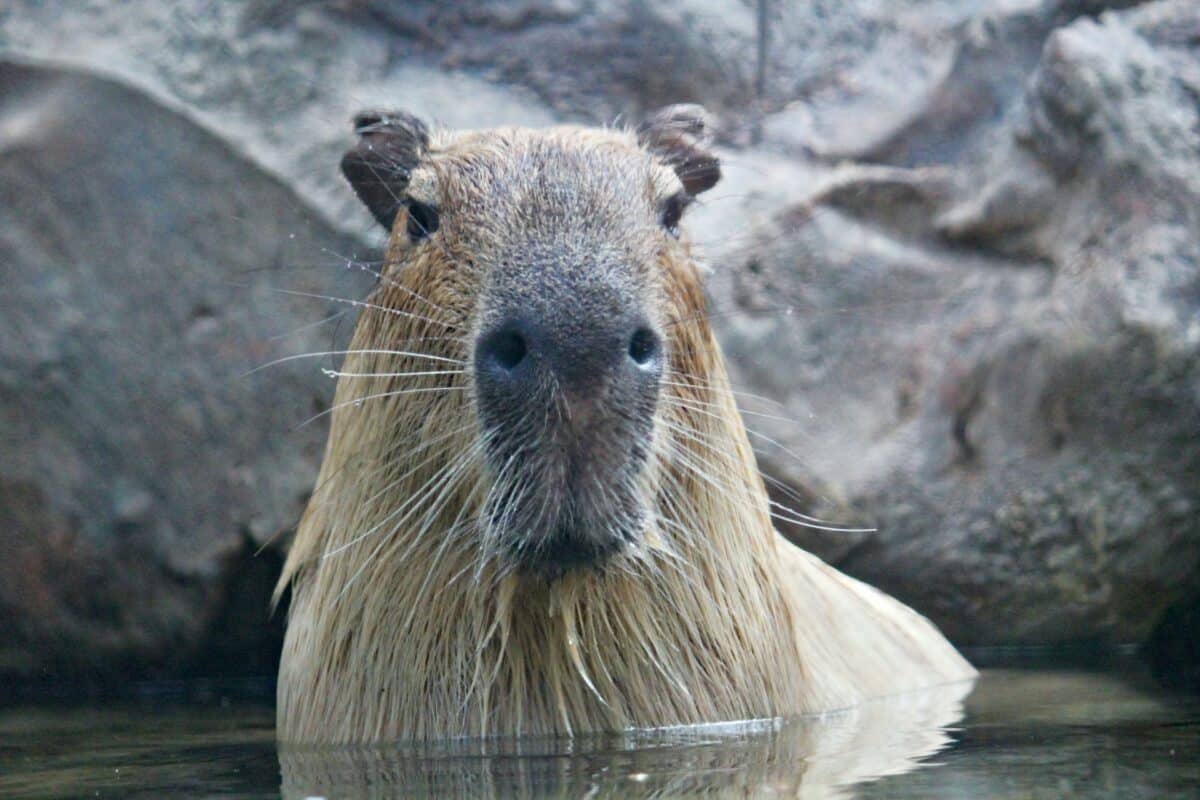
[[408, 622]]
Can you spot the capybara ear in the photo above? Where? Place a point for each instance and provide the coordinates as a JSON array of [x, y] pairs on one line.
[[681, 135], [390, 145]]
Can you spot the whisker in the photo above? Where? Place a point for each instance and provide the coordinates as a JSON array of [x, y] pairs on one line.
[[704, 441], [449, 482], [364, 304], [285, 359], [789, 514], [699, 404], [762, 436], [364, 266], [424, 492], [707, 316], [795, 496], [358, 401], [302, 328], [393, 457], [706, 385], [393, 483], [333, 373]]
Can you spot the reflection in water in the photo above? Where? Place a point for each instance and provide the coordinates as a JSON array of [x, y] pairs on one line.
[[1045, 733], [1063, 734], [810, 757]]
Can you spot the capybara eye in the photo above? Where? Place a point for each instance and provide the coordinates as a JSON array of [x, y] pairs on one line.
[[422, 220], [643, 346], [672, 210]]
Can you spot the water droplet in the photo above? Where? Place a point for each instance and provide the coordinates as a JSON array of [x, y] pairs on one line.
[[329, 373]]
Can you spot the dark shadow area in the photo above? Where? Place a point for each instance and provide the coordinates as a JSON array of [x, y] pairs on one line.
[[1174, 649], [246, 636]]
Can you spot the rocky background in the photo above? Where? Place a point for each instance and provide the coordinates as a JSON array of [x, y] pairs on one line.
[[957, 247]]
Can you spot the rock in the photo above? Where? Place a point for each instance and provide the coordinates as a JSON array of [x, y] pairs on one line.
[[278, 81], [999, 366], [142, 467]]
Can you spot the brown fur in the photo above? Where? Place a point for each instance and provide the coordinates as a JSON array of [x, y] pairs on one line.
[[405, 625]]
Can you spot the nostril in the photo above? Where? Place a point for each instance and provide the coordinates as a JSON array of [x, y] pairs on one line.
[[642, 346], [507, 349]]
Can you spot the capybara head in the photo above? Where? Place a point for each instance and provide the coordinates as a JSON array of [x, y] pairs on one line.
[[553, 264]]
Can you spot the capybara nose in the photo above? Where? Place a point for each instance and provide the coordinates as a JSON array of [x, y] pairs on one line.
[[521, 361]]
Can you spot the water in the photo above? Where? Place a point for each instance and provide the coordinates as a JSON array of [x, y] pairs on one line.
[[1018, 733]]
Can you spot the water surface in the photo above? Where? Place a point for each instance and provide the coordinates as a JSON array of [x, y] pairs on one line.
[[1017, 733]]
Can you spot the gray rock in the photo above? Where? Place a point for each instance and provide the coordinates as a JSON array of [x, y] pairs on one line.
[[142, 467], [998, 365]]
